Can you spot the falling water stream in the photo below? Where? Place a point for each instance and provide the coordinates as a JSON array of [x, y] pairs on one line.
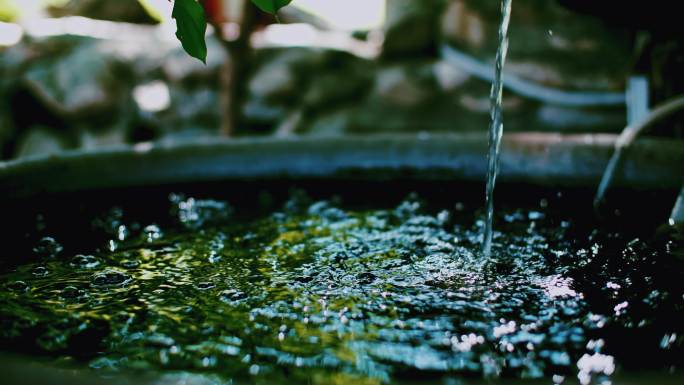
[[496, 125]]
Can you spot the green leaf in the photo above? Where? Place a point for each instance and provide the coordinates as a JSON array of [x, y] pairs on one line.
[[151, 9], [191, 26], [9, 11], [271, 6]]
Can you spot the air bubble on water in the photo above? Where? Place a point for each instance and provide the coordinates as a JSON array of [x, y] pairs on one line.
[[159, 340], [104, 363], [110, 278], [47, 247], [214, 257], [130, 263], [40, 271], [205, 285], [232, 295], [82, 261], [70, 292], [18, 286]]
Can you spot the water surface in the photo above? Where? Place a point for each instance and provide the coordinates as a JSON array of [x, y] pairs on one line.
[[319, 292]]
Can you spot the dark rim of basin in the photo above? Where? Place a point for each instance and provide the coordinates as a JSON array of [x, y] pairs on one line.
[[535, 158]]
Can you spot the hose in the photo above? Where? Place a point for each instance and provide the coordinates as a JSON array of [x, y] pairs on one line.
[[628, 136], [528, 89]]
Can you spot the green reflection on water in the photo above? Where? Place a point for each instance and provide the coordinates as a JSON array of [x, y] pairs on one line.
[[323, 294]]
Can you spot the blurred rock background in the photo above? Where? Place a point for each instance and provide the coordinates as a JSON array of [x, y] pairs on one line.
[[70, 82]]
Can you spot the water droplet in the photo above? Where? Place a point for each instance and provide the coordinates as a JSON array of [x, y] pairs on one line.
[[121, 232], [667, 340], [534, 215], [193, 213], [163, 356], [152, 233]]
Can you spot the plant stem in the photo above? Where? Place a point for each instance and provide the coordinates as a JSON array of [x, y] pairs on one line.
[[233, 72]]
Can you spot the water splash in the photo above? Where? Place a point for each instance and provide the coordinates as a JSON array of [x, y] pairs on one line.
[[496, 125]]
